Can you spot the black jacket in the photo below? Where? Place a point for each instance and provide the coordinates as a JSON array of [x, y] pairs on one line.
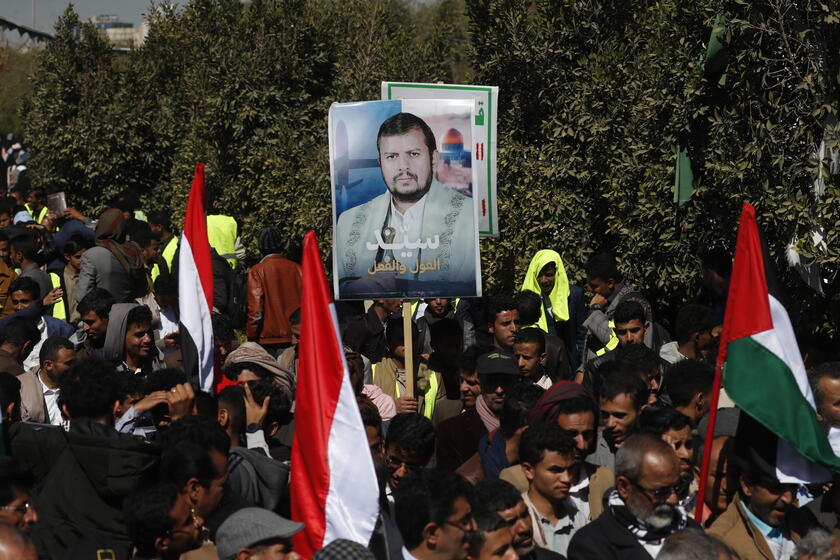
[[82, 477], [607, 539]]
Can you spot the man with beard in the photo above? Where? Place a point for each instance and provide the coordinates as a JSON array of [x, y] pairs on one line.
[[433, 513], [503, 499], [39, 392], [548, 461], [416, 211], [642, 510]]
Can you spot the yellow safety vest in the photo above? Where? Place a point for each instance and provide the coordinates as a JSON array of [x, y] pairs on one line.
[[168, 255], [222, 233], [40, 217], [58, 310], [612, 343], [429, 397]]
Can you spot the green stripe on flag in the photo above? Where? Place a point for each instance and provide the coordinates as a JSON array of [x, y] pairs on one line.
[[764, 387]]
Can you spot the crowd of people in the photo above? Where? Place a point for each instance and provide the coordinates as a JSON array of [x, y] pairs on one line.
[[556, 422]]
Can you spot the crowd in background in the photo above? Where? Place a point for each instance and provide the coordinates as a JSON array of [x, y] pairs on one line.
[[560, 421]]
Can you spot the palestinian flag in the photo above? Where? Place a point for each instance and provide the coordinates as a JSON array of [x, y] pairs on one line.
[[195, 288], [762, 367]]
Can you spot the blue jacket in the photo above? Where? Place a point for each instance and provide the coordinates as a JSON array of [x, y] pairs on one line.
[[57, 327]]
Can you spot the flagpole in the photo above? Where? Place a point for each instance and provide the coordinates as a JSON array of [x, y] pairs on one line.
[[408, 342], [710, 431]]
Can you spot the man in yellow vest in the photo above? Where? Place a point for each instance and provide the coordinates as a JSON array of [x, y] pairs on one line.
[[608, 287], [160, 223], [65, 308], [223, 234], [390, 375], [36, 204]]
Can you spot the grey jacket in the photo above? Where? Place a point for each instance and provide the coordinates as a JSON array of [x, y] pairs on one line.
[[101, 269]]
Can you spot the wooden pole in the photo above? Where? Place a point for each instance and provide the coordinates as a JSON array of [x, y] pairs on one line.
[[408, 341]]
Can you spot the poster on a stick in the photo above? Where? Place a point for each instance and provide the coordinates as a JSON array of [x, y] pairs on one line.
[[404, 210], [486, 99]]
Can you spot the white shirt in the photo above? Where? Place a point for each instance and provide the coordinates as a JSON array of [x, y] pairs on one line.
[[33, 361], [579, 494], [545, 382], [51, 400], [407, 555], [556, 537], [168, 325], [408, 225]]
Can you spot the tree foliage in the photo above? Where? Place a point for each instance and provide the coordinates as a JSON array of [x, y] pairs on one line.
[[595, 97]]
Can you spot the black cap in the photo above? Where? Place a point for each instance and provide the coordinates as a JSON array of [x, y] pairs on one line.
[[497, 362]]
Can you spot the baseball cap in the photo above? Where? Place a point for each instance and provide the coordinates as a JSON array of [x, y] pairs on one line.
[[498, 362], [249, 526]]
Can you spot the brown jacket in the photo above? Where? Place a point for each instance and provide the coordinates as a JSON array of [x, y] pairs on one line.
[[7, 276], [33, 408], [274, 287], [601, 479], [734, 528]]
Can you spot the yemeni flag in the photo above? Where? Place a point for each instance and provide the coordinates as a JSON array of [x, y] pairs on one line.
[[762, 366], [195, 288], [333, 484]]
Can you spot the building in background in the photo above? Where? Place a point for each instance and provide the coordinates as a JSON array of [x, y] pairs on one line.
[[120, 33]]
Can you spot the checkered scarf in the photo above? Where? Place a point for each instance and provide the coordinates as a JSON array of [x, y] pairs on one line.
[[638, 527]]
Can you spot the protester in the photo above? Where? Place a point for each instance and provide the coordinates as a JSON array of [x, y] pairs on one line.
[[67, 278], [623, 395], [390, 375], [255, 533], [502, 498], [693, 544], [114, 264], [688, 388], [529, 349], [642, 510], [647, 363], [573, 408], [497, 372], [557, 359], [20, 337], [39, 388], [25, 292], [129, 340], [694, 334], [434, 310], [500, 449], [764, 521], [503, 322], [161, 224], [77, 496], [493, 538], [162, 525], [366, 333], [24, 254], [274, 288], [825, 383], [409, 445], [457, 438], [675, 429], [94, 310], [15, 545], [15, 487], [548, 461], [608, 288], [434, 516], [563, 308]]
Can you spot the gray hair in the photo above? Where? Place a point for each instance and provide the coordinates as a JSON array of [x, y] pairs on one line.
[[692, 544], [631, 455], [818, 545]]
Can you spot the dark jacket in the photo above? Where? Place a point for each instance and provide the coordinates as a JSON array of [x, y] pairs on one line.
[[81, 478], [57, 327], [607, 539], [274, 288], [573, 332], [457, 439], [557, 359], [365, 334], [259, 479]]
